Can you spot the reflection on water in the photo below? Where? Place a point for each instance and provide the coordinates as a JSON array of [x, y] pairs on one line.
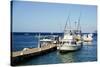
[[67, 57]]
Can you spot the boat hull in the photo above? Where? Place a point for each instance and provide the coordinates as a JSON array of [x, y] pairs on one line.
[[68, 47], [87, 40]]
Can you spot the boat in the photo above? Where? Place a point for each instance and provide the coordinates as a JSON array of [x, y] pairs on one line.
[[87, 37], [71, 40], [47, 40], [44, 41]]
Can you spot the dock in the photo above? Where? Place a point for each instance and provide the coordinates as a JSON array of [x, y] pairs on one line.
[[19, 56]]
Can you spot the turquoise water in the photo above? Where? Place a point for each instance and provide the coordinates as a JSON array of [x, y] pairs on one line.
[[87, 53]]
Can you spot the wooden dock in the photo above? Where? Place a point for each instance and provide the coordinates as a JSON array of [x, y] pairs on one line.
[[19, 56]]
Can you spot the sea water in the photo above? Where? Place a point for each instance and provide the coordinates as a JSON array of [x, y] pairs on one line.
[[87, 53]]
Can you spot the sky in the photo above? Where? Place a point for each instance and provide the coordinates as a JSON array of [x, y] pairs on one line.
[[30, 16]]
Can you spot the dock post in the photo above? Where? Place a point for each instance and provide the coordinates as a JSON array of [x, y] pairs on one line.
[[39, 42]]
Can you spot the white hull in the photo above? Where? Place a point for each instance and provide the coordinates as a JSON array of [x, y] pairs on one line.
[[87, 40], [69, 47]]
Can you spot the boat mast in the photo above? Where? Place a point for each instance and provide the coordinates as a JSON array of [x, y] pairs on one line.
[[75, 28], [67, 27], [79, 27]]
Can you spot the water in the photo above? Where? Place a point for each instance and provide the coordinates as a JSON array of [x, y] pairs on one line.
[[23, 41], [86, 54]]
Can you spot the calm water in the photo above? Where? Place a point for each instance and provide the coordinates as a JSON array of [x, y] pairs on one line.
[[86, 54]]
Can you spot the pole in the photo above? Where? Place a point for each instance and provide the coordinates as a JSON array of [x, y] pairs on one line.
[[39, 41]]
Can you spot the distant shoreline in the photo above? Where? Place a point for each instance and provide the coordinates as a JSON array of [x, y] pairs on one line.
[[37, 33], [41, 33]]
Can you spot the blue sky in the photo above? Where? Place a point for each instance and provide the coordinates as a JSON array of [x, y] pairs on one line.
[[51, 17]]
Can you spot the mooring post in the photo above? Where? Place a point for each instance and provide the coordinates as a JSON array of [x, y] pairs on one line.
[[39, 45]]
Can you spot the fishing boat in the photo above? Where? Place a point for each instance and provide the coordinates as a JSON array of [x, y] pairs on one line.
[[71, 40]]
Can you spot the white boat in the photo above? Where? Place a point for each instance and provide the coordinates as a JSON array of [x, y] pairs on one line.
[[71, 40], [45, 41], [69, 43], [87, 38]]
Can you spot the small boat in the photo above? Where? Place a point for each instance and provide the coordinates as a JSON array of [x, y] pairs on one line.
[[87, 38], [45, 41]]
